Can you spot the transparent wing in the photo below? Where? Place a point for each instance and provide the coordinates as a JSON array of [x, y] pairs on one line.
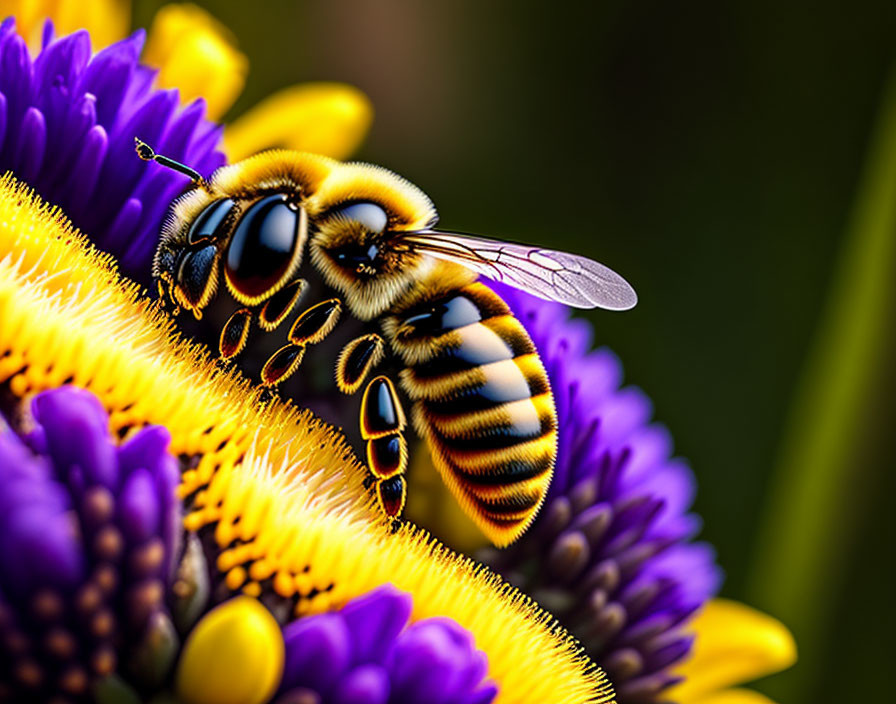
[[556, 276]]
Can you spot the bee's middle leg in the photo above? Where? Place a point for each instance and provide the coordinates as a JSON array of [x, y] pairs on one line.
[[382, 427]]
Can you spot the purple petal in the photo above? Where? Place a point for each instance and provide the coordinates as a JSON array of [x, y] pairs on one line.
[[374, 620], [3, 120], [40, 548], [148, 448], [32, 144], [368, 684], [138, 507], [60, 64], [435, 661], [76, 427], [485, 695], [86, 171], [318, 652], [123, 224], [16, 73], [48, 33]]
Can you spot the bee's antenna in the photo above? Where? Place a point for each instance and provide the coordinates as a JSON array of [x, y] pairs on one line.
[[146, 152]]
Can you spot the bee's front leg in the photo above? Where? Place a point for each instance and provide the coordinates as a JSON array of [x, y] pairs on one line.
[[382, 426], [310, 328]]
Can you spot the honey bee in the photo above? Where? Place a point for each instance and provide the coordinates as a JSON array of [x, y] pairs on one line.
[[244, 249]]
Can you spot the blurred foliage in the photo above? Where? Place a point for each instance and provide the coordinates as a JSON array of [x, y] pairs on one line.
[[708, 151]]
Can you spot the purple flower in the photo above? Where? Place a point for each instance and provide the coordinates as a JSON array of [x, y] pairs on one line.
[[89, 531], [99, 590], [67, 125], [366, 654], [611, 553]]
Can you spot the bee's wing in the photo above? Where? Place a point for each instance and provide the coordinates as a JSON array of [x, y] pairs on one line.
[[556, 276]]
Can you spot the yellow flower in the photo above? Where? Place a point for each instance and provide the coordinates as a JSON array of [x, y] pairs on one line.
[[198, 55], [734, 644]]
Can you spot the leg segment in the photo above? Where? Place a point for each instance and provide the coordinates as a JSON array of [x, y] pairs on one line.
[[356, 360], [281, 304], [235, 333], [314, 324], [382, 426]]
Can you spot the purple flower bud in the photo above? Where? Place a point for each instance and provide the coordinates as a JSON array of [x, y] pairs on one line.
[[88, 531]]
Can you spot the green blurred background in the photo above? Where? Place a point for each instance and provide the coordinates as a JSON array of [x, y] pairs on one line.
[[713, 153]]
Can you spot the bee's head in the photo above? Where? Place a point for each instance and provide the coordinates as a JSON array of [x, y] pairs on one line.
[[187, 258], [358, 217], [248, 225], [245, 226]]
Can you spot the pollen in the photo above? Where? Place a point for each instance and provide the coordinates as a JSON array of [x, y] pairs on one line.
[[277, 491]]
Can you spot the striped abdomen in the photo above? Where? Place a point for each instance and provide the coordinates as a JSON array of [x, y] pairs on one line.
[[483, 402]]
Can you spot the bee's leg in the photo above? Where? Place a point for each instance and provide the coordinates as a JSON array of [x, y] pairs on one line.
[[311, 327], [235, 333], [315, 323], [268, 316], [356, 360], [382, 426], [278, 307], [282, 364]]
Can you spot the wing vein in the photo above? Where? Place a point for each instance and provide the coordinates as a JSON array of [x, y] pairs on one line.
[[571, 279]]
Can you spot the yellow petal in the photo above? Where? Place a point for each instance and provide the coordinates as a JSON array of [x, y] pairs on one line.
[[733, 696], [234, 655], [197, 55], [106, 20], [325, 118], [734, 644]]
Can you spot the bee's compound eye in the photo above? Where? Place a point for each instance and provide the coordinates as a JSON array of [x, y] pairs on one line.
[[194, 274], [264, 246], [371, 216], [209, 222]]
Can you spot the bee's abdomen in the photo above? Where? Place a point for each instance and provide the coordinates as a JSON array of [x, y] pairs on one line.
[[483, 402]]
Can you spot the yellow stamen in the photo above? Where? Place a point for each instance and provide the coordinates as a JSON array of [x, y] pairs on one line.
[[734, 644], [273, 483], [322, 118], [234, 655], [197, 55], [106, 20]]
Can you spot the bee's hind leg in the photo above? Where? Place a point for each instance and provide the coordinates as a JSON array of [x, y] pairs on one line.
[[382, 427]]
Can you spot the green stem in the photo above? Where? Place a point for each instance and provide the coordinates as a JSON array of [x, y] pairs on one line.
[[826, 463]]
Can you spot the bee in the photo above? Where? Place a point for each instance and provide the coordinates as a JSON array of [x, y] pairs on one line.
[[261, 234]]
